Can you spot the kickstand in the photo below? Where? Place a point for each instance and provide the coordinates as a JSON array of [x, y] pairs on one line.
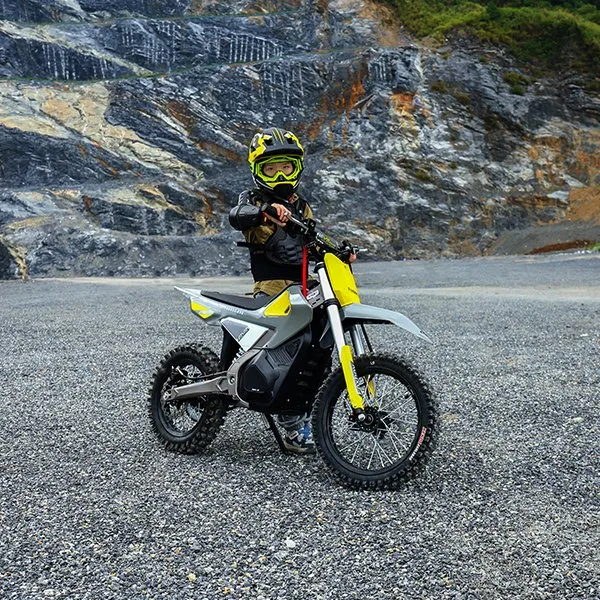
[[273, 427]]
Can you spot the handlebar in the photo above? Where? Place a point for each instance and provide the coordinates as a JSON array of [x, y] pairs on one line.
[[270, 210], [320, 242]]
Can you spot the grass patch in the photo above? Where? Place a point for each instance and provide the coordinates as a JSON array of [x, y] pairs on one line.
[[516, 81], [422, 175], [552, 34], [463, 98], [439, 86]]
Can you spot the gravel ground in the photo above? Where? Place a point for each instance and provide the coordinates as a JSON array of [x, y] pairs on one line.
[[93, 507]]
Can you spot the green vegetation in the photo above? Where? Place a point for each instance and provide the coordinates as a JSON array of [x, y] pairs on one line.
[[516, 81], [550, 34], [463, 98], [422, 175], [439, 86]]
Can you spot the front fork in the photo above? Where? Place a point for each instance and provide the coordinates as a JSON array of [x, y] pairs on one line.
[[344, 350]]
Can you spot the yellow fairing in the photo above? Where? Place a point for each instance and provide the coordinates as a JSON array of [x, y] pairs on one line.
[[347, 367], [342, 280], [280, 307], [201, 311]]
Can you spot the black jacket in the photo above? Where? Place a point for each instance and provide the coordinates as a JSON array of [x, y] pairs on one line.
[[275, 252]]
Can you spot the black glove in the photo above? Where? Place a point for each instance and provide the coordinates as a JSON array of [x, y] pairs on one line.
[[346, 250]]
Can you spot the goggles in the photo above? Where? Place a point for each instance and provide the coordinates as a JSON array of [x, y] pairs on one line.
[[279, 176]]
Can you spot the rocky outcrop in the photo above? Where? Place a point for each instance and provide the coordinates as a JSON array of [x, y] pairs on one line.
[[124, 125]]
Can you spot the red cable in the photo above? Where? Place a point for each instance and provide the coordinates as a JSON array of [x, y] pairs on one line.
[[304, 270]]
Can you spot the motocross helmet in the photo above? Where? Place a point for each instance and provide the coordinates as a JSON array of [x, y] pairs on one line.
[[276, 145]]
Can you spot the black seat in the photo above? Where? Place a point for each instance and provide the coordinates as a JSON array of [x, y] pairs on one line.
[[246, 302]]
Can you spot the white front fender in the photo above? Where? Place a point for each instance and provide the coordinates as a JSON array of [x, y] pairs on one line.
[[364, 313]]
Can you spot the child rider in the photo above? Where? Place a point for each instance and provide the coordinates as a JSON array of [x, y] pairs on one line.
[[276, 253]]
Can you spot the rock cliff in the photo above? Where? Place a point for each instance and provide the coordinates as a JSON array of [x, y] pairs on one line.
[[124, 126]]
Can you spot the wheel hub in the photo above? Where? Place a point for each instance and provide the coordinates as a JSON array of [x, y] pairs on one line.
[[372, 421]]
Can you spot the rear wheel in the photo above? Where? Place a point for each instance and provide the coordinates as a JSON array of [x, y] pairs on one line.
[[191, 424], [397, 436]]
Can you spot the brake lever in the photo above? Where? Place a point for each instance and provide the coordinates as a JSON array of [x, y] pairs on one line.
[[307, 226], [295, 221]]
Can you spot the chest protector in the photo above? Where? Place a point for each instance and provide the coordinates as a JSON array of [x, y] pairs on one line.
[[280, 255], [283, 248]]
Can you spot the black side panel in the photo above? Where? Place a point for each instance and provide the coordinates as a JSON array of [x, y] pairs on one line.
[[270, 374]]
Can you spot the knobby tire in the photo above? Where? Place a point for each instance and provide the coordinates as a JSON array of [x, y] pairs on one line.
[[210, 409], [332, 413]]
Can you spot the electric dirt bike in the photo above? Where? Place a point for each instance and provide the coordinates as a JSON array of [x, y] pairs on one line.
[[374, 419]]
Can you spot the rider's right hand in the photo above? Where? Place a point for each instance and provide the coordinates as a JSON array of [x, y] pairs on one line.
[[277, 213]]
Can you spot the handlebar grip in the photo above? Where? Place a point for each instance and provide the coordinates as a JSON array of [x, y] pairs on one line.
[[270, 210]]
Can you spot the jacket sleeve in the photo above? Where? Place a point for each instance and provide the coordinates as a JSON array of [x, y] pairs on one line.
[[247, 213]]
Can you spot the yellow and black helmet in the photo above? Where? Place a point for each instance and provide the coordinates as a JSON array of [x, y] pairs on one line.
[[276, 145]]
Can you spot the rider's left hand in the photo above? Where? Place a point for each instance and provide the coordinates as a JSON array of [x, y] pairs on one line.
[[348, 252]]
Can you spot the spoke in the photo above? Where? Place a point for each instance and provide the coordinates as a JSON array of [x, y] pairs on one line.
[[357, 447], [392, 436], [341, 429], [394, 439], [397, 409], [405, 423], [343, 419], [372, 453], [386, 455], [350, 444], [388, 396], [381, 451], [403, 393], [386, 386], [369, 382], [378, 449], [403, 420], [382, 391]]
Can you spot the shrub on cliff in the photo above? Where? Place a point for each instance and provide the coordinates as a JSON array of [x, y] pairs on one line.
[[552, 34]]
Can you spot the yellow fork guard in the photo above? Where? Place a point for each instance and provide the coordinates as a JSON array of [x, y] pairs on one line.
[[347, 368]]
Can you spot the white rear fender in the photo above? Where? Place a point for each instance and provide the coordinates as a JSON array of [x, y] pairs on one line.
[[208, 310]]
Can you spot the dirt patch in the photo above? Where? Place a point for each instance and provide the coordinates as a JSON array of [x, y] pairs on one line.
[[580, 228], [557, 237], [562, 246], [584, 205]]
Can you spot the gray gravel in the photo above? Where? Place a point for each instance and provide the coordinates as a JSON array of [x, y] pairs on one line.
[[93, 507]]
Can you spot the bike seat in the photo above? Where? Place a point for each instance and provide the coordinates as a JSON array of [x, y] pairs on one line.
[[246, 302]]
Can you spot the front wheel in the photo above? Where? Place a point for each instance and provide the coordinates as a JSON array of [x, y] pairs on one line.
[[398, 434], [189, 425]]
